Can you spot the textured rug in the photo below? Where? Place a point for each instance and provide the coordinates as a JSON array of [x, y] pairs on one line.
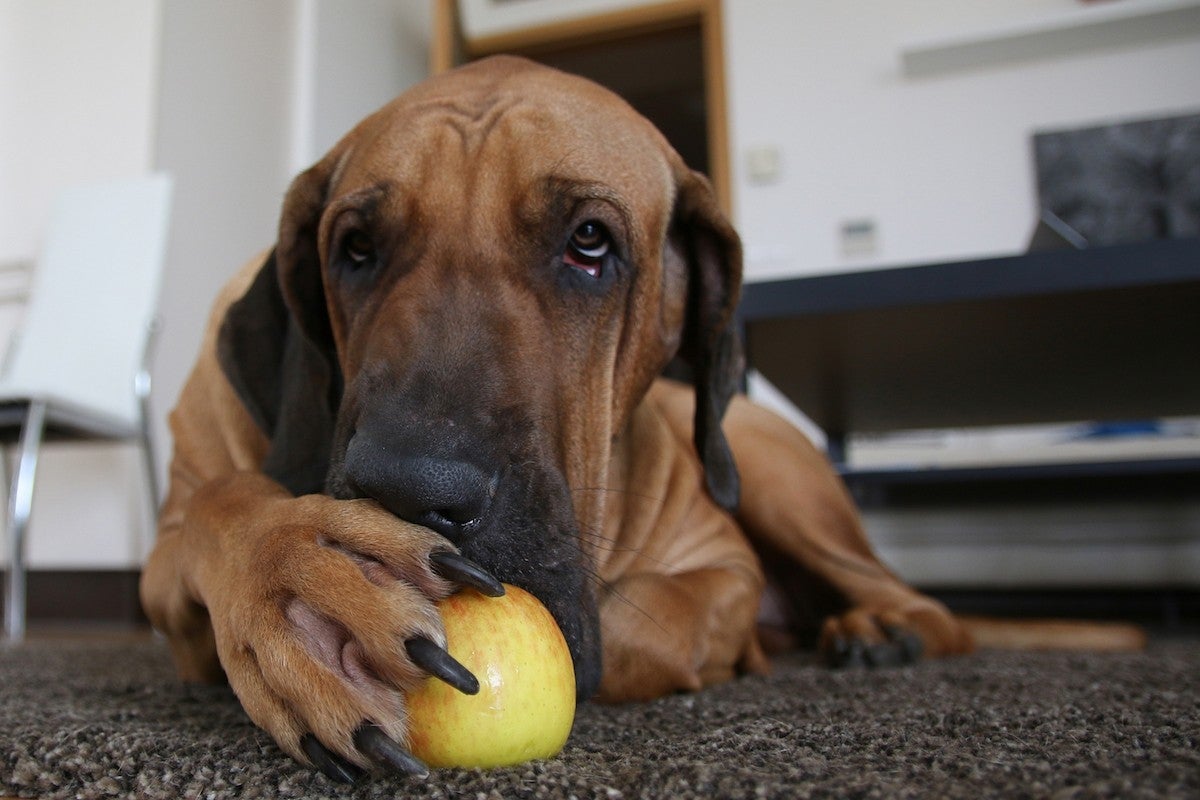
[[87, 720]]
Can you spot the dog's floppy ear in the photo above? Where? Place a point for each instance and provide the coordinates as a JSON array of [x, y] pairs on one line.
[[710, 343], [276, 347]]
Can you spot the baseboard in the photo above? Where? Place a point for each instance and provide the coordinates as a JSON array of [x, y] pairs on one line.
[[1166, 608], [91, 596], [111, 597]]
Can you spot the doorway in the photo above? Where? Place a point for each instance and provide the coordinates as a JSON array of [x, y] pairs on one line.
[[664, 59]]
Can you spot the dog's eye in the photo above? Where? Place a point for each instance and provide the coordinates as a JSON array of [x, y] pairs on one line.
[[358, 249], [589, 244]]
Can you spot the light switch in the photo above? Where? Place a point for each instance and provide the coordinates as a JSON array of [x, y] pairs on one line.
[[763, 164], [859, 237]]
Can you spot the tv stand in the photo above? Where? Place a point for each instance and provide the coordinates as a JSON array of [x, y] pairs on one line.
[[1105, 333]]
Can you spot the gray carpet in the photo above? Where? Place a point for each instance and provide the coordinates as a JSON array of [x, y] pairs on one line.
[[105, 720]]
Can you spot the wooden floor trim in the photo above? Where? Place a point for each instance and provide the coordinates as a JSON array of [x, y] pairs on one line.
[[92, 596]]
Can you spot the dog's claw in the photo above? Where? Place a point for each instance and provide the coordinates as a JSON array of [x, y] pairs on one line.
[[454, 567], [856, 654], [383, 750], [912, 647], [334, 767], [835, 656], [440, 664], [849, 654], [901, 647], [888, 654], [907, 644]]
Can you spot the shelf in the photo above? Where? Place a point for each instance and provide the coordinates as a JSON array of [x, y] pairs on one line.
[[1123, 469], [1158, 262], [1088, 27], [1105, 333], [1036, 489]]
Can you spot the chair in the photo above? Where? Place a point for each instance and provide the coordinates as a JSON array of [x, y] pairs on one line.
[[77, 366]]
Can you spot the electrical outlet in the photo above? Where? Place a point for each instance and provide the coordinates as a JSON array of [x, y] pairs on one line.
[[763, 164], [859, 238]]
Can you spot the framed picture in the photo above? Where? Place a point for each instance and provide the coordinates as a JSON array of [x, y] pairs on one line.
[[1123, 182], [482, 19]]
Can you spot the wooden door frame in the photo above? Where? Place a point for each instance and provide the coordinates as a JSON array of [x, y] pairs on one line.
[[448, 47]]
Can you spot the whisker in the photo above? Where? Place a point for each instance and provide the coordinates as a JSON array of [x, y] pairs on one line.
[[612, 591], [622, 492]]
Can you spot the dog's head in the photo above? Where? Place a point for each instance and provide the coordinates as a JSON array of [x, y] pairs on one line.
[[469, 295]]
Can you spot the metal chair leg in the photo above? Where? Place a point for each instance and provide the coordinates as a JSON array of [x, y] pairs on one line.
[[146, 445], [20, 501], [141, 390]]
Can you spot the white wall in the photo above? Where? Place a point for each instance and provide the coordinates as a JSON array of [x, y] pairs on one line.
[[77, 84], [366, 53], [941, 161], [77, 103]]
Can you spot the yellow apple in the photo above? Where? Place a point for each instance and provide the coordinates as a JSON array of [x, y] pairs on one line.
[[526, 700]]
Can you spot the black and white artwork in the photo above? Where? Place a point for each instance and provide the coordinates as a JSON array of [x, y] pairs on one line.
[[1126, 182]]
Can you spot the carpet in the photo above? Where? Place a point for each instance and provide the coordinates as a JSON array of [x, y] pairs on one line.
[[90, 720]]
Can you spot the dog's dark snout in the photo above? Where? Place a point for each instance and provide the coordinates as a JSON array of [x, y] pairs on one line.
[[429, 490], [447, 495]]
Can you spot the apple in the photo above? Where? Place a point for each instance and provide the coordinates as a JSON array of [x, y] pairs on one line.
[[526, 701]]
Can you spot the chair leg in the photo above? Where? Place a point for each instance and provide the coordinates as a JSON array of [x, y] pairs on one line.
[[20, 502], [141, 390], [146, 443]]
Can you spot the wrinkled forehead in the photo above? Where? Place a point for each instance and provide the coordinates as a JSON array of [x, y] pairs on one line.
[[517, 126]]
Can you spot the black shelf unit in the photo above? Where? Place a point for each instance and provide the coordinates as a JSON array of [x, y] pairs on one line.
[[1104, 333]]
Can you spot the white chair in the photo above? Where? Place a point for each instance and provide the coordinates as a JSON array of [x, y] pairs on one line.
[[77, 366]]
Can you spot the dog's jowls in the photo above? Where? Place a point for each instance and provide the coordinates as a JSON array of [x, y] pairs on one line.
[[444, 372]]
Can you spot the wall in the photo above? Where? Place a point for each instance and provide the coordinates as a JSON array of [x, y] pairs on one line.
[[77, 84], [940, 161], [77, 103], [363, 60]]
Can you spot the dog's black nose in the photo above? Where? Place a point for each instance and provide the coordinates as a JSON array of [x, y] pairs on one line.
[[446, 495]]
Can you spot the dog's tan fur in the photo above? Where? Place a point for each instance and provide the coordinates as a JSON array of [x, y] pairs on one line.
[[245, 575]]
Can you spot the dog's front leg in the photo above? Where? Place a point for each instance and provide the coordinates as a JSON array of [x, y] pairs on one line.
[[321, 612], [796, 508], [666, 633], [681, 585]]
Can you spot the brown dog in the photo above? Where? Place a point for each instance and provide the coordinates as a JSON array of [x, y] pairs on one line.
[[445, 373]]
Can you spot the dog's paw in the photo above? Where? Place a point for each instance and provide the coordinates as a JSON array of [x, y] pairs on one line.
[[866, 637], [332, 623]]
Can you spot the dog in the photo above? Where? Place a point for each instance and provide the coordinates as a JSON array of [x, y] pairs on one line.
[[446, 373]]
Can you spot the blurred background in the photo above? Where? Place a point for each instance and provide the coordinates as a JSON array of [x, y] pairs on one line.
[[844, 138]]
